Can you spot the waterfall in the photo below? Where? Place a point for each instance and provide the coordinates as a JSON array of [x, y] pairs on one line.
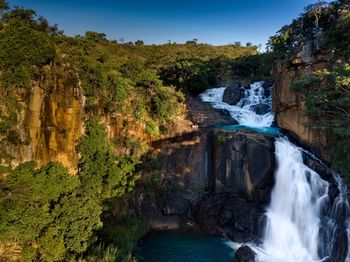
[[293, 216], [308, 218], [242, 111]]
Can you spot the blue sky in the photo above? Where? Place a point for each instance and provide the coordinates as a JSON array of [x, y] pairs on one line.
[[216, 22]]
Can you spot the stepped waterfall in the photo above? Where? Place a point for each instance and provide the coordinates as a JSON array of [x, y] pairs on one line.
[[304, 218]]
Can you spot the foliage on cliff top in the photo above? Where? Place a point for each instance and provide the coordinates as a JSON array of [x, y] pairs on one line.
[[324, 20]]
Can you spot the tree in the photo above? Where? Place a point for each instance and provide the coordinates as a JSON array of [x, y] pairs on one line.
[[103, 174], [316, 10], [193, 41], [42, 210], [3, 6], [95, 36], [139, 43]]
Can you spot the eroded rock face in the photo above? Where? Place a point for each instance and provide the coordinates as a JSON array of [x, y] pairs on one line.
[[240, 163], [222, 185], [233, 93], [290, 106], [243, 164]]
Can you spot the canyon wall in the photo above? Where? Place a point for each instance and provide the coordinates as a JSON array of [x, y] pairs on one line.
[[289, 106]]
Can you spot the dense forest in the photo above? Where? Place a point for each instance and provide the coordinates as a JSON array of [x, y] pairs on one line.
[[48, 212]]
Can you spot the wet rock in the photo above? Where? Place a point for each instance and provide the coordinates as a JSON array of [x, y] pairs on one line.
[[261, 109], [339, 248], [204, 115], [233, 93], [245, 254]]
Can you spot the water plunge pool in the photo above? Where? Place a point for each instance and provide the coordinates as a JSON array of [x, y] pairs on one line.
[[183, 247]]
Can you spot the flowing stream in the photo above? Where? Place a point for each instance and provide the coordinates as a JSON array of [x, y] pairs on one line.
[[304, 222]]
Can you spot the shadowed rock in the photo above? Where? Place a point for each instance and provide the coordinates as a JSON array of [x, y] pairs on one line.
[[245, 254], [233, 93], [221, 214]]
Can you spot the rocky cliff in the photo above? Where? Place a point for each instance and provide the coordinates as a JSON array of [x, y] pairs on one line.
[[50, 121], [289, 106], [206, 166]]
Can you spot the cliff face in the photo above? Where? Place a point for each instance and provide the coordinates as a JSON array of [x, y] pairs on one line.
[[290, 106], [50, 121], [206, 161]]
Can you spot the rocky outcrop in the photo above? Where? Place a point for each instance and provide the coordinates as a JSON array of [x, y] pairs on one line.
[[260, 109], [220, 179], [240, 163], [233, 93], [290, 106]]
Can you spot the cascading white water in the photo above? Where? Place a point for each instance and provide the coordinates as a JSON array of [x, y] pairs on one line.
[[242, 111], [293, 217], [303, 222]]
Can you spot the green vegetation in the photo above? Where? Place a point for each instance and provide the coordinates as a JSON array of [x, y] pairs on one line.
[[255, 67], [135, 90], [44, 212], [56, 217], [100, 169]]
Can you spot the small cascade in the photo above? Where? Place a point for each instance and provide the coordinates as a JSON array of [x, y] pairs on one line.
[[243, 111], [335, 226]]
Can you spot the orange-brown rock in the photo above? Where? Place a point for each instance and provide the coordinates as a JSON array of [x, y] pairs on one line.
[[50, 121], [290, 106]]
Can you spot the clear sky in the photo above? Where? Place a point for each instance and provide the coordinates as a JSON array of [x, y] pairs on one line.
[[216, 22]]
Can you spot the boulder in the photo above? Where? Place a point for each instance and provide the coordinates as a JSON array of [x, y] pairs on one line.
[[245, 254], [233, 93], [240, 220], [260, 109]]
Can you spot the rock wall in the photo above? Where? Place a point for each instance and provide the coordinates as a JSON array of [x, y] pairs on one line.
[[50, 120], [206, 165], [242, 163], [290, 106]]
